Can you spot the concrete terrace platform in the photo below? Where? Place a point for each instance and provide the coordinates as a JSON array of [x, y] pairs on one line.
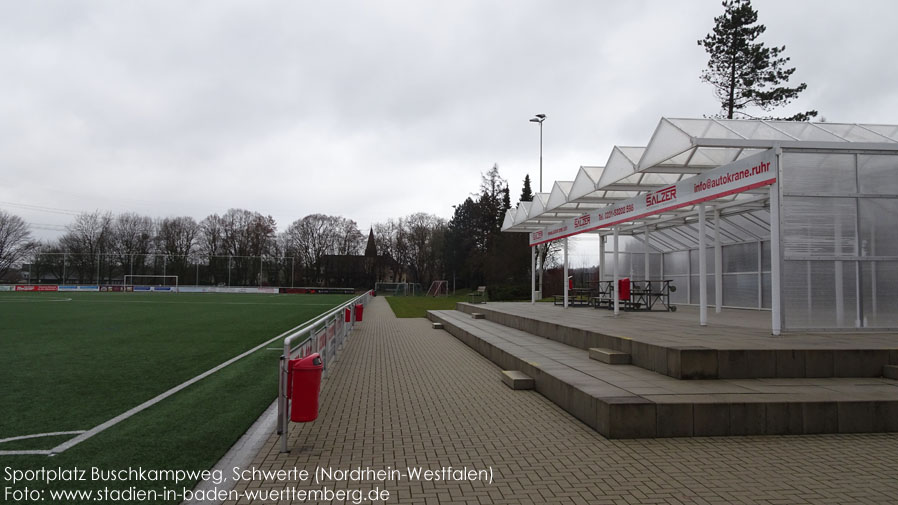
[[632, 401], [736, 344]]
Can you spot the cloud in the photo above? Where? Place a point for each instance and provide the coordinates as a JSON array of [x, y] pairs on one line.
[[370, 110]]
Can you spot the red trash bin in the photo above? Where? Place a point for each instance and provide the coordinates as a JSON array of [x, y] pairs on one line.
[[305, 384], [623, 287], [359, 311], [348, 315]]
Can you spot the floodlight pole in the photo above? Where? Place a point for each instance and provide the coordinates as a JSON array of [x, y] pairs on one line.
[[539, 118]]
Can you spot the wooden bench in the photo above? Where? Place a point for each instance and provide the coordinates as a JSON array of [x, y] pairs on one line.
[[478, 296]]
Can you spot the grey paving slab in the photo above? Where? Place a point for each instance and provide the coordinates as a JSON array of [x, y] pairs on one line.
[[404, 394]]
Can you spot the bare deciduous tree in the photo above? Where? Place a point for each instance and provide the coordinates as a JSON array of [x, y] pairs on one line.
[[15, 241]]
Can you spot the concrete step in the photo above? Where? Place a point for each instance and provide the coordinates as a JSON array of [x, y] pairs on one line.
[[685, 360], [609, 356], [626, 401], [890, 371], [478, 315], [515, 379]]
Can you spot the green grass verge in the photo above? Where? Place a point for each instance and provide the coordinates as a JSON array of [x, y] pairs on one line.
[[417, 306], [73, 365]]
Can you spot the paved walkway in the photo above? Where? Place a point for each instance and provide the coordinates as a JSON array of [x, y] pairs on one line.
[[406, 395]]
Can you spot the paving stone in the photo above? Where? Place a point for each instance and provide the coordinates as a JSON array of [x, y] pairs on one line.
[[404, 395]]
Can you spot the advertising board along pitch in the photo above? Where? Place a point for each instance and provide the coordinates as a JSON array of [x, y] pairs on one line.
[[741, 175]]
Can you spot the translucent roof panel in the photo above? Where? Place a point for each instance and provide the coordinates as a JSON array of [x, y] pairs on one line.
[[508, 222], [539, 204], [621, 163], [680, 148], [705, 128], [667, 142], [889, 131], [805, 131], [585, 182], [522, 213], [854, 133], [558, 196], [756, 130]]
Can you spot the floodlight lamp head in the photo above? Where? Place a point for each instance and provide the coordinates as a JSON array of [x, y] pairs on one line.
[[541, 116], [534, 120]]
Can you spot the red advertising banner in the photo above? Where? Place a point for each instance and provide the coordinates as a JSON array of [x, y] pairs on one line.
[[36, 287], [742, 175]]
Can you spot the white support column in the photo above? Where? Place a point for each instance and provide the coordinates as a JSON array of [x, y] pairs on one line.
[[646, 255], [614, 290], [776, 308], [601, 258], [533, 275], [702, 269], [565, 273], [718, 265]]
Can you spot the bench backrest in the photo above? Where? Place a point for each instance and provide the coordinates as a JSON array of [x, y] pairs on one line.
[[481, 289]]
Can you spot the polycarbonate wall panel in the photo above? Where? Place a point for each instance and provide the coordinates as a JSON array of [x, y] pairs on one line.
[[878, 174], [740, 275], [819, 173], [632, 265], [740, 257], [709, 260], [694, 295], [681, 295], [879, 229], [814, 226], [740, 290], [676, 263], [819, 294], [765, 291], [880, 285]]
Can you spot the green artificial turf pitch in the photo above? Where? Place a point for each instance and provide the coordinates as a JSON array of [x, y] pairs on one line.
[[70, 361]]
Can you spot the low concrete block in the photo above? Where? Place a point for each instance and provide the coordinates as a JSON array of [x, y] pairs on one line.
[[856, 417], [437, 326], [748, 419], [478, 315], [516, 379], [629, 417], [674, 420], [697, 363], [820, 417], [609, 356], [710, 419], [890, 372], [784, 419], [790, 363]]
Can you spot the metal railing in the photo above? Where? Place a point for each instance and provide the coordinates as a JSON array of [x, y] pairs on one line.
[[323, 335]]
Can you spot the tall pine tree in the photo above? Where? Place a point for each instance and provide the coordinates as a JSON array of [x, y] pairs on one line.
[[526, 193], [744, 72]]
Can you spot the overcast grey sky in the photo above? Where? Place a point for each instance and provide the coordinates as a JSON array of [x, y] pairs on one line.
[[372, 109]]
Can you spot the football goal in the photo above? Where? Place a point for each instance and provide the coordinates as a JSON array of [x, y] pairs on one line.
[[162, 283], [398, 288], [438, 288]]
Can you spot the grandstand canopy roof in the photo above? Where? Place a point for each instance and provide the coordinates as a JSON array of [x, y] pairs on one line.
[[680, 149]]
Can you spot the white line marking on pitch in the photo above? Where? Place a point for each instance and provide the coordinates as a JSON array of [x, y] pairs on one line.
[[149, 403], [22, 453], [40, 435]]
